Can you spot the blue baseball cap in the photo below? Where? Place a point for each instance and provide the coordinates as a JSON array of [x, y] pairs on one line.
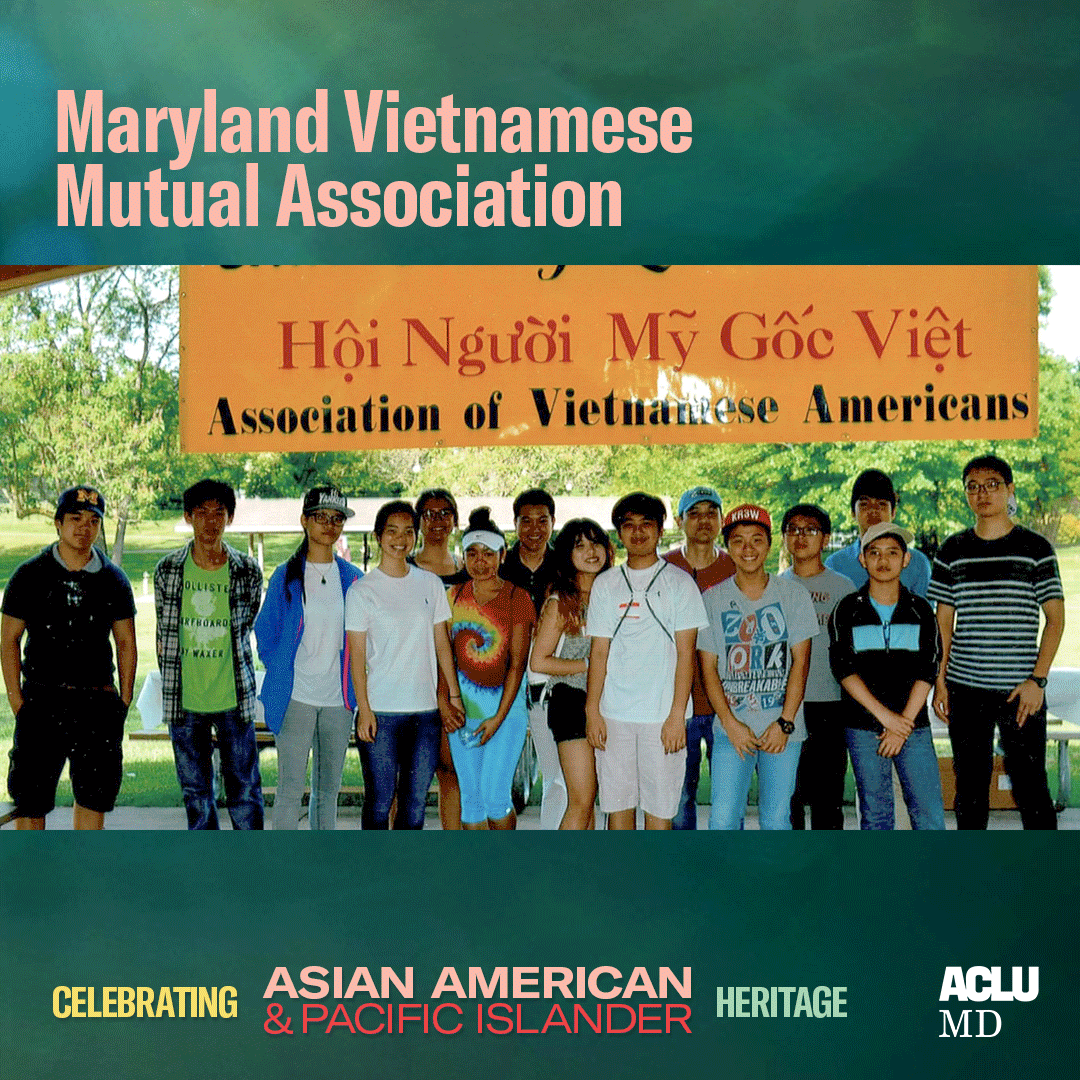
[[696, 495]]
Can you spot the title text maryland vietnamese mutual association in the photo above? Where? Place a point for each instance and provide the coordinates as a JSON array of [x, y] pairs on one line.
[[364, 202]]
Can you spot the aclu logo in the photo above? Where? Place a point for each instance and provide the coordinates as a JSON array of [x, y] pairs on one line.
[[982, 984]]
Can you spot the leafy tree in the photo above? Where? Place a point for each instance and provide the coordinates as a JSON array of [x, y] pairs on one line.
[[371, 472], [507, 470], [89, 375]]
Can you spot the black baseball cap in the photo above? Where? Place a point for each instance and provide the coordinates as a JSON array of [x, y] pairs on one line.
[[77, 499], [326, 498]]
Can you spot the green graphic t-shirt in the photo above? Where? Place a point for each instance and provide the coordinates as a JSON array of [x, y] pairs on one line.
[[206, 658]]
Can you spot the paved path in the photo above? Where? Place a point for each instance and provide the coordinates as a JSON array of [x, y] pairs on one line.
[[138, 817]]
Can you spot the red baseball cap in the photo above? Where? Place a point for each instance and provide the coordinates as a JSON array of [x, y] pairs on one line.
[[747, 514]]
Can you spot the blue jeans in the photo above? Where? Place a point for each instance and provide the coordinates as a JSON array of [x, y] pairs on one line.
[[400, 761], [697, 728], [920, 780], [193, 750], [731, 776]]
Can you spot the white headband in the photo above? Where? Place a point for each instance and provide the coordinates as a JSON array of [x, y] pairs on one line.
[[492, 540]]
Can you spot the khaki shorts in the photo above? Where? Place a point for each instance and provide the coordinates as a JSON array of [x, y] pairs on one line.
[[634, 771]]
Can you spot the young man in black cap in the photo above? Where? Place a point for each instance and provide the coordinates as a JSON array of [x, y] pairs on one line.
[[873, 500], [68, 601], [207, 595]]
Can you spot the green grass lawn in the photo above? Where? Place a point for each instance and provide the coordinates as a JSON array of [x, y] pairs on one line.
[[1069, 561], [149, 778], [149, 775]]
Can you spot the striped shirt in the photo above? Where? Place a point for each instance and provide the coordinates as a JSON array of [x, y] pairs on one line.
[[998, 588]]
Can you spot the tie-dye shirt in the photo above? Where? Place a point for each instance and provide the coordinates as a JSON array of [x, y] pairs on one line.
[[481, 632]]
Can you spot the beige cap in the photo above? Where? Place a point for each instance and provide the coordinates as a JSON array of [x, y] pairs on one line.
[[886, 528]]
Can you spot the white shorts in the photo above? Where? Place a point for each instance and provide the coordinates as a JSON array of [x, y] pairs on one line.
[[634, 771]]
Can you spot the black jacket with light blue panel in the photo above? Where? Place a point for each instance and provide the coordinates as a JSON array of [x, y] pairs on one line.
[[889, 657]]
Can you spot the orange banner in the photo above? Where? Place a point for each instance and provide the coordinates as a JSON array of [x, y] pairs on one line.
[[366, 357]]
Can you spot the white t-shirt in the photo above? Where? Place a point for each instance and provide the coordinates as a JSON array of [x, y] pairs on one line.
[[398, 615], [317, 668], [640, 681]]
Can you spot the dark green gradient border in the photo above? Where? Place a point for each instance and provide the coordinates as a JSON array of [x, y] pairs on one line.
[[881, 915], [847, 131], [844, 131]]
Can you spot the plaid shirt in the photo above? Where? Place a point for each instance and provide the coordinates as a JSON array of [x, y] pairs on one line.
[[245, 595]]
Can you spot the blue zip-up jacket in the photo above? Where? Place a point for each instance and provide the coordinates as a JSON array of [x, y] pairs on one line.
[[278, 631]]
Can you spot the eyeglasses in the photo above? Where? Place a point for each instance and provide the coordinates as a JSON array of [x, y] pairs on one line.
[[438, 515], [796, 530], [989, 487], [323, 518]]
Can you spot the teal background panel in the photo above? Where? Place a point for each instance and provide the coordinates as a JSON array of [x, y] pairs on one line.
[[881, 915], [842, 132]]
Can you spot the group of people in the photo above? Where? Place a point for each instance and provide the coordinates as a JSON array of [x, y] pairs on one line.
[[623, 673]]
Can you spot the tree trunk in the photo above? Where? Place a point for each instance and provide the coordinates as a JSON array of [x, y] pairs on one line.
[[121, 530]]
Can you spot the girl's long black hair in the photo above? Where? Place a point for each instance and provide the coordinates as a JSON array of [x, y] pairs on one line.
[[294, 568], [565, 583]]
